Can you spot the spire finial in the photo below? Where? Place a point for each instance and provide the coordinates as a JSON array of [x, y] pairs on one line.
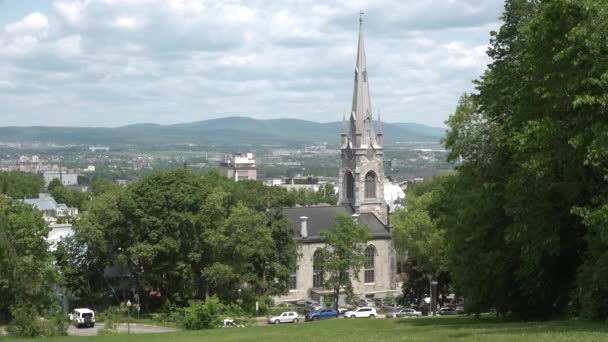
[[361, 13]]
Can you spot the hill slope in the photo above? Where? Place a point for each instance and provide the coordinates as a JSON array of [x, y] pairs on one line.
[[224, 131]]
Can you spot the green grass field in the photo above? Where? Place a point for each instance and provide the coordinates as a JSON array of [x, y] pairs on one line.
[[423, 329]]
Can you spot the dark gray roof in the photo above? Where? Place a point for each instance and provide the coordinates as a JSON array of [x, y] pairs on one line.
[[324, 218]]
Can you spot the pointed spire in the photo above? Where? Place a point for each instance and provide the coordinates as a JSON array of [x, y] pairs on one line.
[[361, 106], [344, 131], [379, 125]]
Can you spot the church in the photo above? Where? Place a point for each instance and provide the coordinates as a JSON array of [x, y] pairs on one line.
[[360, 194]]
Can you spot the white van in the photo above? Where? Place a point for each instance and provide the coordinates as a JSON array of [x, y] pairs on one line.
[[83, 317]]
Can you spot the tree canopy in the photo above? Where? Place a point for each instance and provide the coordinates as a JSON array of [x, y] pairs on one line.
[[525, 213], [27, 273], [183, 236], [19, 185]]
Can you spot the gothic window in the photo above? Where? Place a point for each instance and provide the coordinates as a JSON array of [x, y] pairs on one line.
[[370, 255], [293, 281], [364, 75], [370, 185], [350, 185], [317, 274]]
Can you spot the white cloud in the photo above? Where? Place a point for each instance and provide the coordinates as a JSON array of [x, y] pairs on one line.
[[199, 59], [71, 11], [32, 23], [127, 23]]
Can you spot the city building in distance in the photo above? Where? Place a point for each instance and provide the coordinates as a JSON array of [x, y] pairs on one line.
[[239, 166]]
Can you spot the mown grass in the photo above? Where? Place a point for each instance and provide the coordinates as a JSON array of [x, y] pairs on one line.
[[423, 329]]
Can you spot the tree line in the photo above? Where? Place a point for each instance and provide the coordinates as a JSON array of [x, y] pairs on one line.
[[522, 221]]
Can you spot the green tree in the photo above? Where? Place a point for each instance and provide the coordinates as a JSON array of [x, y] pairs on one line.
[[418, 236], [185, 235], [20, 185], [27, 273], [343, 255], [528, 141]]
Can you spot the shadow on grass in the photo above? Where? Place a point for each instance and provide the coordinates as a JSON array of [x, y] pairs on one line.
[[491, 325]]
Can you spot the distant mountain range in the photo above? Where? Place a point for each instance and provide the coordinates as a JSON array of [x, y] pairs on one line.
[[230, 131]]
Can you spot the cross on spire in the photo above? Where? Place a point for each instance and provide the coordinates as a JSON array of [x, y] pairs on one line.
[[361, 13]]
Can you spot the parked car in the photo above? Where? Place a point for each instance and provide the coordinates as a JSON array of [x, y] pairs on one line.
[[83, 317], [365, 311], [392, 312], [321, 314], [447, 312], [285, 317], [408, 312], [422, 308]]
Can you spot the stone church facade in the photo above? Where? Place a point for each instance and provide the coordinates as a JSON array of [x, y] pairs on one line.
[[360, 194]]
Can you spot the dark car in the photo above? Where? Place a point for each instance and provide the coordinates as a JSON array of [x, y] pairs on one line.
[[447, 312], [321, 314]]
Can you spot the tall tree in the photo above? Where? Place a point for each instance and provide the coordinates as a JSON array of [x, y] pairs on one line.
[[527, 142], [27, 273], [418, 236], [343, 255]]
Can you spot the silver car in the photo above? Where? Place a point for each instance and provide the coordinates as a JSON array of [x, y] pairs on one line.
[[408, 312], [285, 317]]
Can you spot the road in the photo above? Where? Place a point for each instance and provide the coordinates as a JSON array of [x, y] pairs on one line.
[[122, 328]]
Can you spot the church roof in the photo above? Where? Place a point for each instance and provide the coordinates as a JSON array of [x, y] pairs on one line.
[[322, 218]]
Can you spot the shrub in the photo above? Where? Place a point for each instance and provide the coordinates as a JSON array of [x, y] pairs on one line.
[[27, 322], [110, 317], [202, 315]]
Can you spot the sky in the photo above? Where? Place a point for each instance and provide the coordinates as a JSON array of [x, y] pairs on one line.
[[118, 62]]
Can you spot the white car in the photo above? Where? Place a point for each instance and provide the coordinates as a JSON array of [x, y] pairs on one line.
[[364, 312], [83, 317], [285, 317]]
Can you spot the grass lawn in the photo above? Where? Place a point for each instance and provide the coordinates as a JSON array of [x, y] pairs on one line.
[[419, 329]]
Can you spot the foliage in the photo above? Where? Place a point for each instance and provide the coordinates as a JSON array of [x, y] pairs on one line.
[[27, 274], [325, 195], [181, 235], [19, 185], [524, 212], [418, 236], [71, 197], [343, 255], [202, 315], [28, 322]]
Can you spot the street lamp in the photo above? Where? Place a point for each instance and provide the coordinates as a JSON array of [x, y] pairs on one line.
[[240, 301], [128, 316]]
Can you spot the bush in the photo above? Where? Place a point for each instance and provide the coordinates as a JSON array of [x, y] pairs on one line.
[[110, 317], [170, 313], [202, 315], [28, 323]]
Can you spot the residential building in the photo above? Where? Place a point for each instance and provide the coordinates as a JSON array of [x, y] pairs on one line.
[[51, 210]]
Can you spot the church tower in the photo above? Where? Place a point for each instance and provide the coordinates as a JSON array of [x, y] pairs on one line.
[[361, 178]]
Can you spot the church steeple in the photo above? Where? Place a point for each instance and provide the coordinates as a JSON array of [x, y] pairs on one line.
[[361, 178], [361, 131]]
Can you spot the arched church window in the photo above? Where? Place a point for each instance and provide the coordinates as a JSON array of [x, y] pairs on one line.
[[350, 185], [370, 258], [370, 185], [317, 273]]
